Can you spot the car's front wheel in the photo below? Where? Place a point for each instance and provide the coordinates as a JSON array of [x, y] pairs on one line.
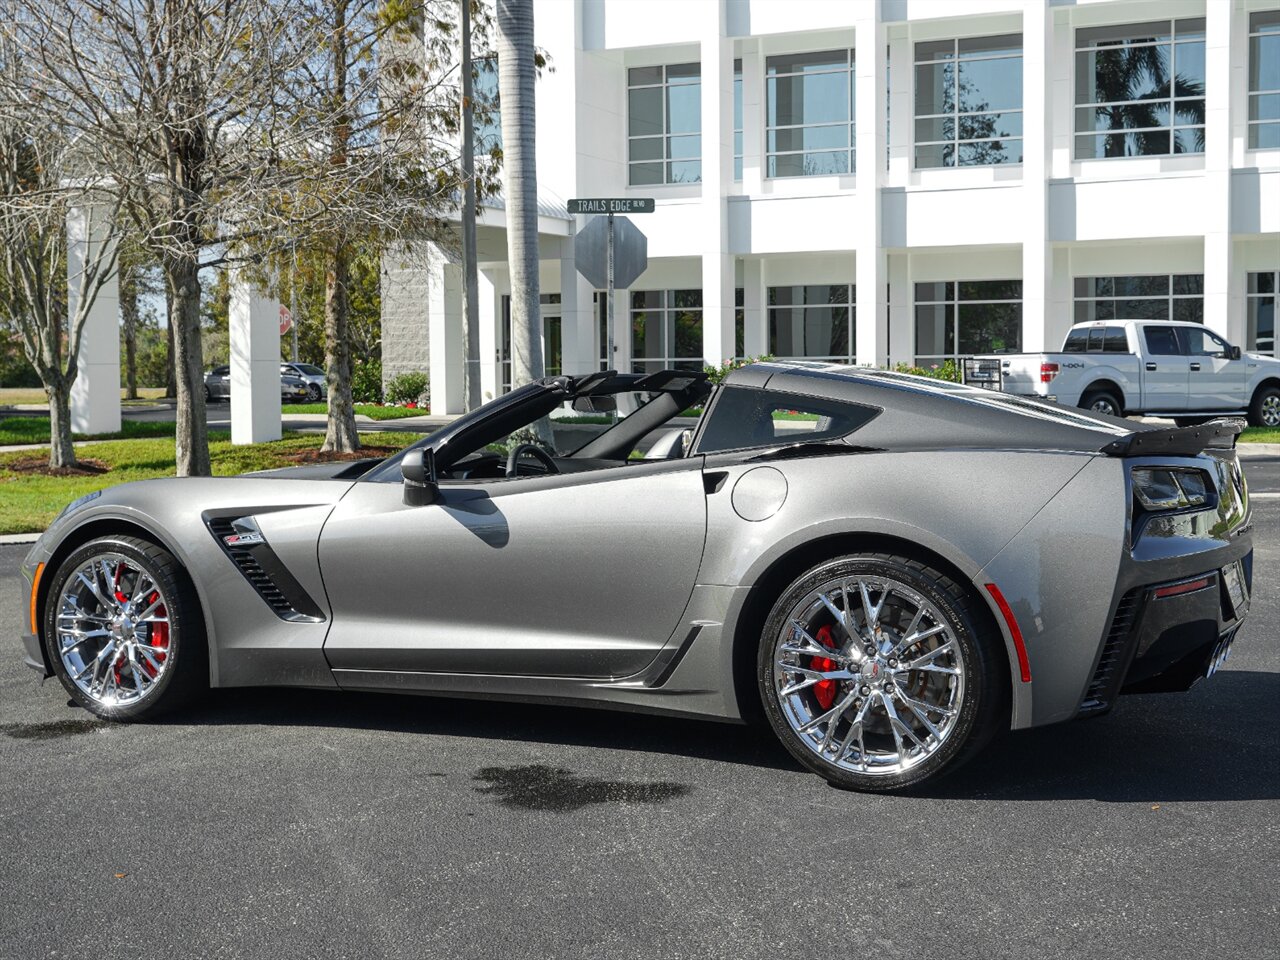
[[123, 631], [313, 392], [877, 674]]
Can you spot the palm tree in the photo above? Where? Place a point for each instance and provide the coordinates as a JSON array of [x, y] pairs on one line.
[[516, 73]]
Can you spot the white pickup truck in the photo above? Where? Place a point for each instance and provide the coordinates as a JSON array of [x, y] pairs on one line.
[[1156, 368]]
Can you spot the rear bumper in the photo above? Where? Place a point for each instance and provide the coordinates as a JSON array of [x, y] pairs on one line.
[[1166, 636]]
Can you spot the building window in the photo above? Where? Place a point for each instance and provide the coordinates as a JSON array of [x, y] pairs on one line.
[[1161, 297], [1264, 80], [810, 129], [1264, 291], [813, 322], [486, 117], [552, 341], [969, 102], [1140, 89], [664, 124], [666, 330], [737, 120], [739, 324], [959, 318]]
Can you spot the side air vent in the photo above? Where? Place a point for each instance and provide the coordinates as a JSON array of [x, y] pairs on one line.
[[242, 541], [1115, 650]]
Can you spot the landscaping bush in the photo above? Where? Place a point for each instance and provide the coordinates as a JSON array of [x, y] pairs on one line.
[[717, 374], [406, 388], [366, 382], [947, 370]]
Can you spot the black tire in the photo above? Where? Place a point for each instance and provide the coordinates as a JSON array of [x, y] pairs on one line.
[[208, 394], [313, 392], [983, 708], [186, 674], [1095, 401], [1264, 410]]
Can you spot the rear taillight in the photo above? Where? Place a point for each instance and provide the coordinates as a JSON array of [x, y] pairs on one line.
[[1047, 372]]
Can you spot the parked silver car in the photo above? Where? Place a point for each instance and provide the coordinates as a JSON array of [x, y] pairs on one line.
[[311, 375], [886, 568], [217, 386]]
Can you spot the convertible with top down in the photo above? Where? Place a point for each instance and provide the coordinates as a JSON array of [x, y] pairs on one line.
[[885, 570]]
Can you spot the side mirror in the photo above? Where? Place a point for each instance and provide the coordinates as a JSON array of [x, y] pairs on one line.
[[605, 404], [1235, 353], [418, 467]]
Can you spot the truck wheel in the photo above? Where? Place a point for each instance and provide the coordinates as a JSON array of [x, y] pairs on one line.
[[1265, 409], [1102, 401]]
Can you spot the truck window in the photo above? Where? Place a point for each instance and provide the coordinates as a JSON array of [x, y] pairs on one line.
[[1202, 343], [1161, 341], [1095, 340], [1115, 341], [1076, 341]]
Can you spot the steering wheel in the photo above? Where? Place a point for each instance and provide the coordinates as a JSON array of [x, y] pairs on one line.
[[513, 468]]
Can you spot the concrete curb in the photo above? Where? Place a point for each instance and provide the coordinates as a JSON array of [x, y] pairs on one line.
[[1258, 449], [8, 539]]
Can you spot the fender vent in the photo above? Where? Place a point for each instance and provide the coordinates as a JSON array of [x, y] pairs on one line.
[[259, 564], [1113, 661]]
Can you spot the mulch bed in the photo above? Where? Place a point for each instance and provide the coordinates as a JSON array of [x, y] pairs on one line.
[[83, 468]]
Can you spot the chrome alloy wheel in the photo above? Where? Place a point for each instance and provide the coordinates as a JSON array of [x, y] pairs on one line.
[[1270, 410], [1104, 405], [113, 630], [869, 675]]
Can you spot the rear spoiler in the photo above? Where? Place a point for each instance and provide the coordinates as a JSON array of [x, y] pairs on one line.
[[1177, 441]]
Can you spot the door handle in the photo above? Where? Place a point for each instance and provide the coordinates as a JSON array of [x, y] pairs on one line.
[[1151, 366], [1195, 366]]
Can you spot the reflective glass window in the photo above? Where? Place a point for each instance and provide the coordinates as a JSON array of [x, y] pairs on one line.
[[1261, 301], [968, 104], [813, 322], [664, 124], [1161, 341], [1143, 297], [956, 319], [1140, 89], [745, 417], [666, 330], [809, 126], [1264, 80]]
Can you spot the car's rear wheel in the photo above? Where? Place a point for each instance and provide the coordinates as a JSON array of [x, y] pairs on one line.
[[208, 394], [1102, 401], [876, 674], [123, 631], [1264, 411]]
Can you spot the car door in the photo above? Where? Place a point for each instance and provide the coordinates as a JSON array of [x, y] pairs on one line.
[[575, 575], [1217, 382], [1166, 369]]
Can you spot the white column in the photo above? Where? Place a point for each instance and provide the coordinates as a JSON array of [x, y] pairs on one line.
[[901, 109], [1222, 21], [902, 328], [490, 336], [95, 395], [1037, 157], [753, 120], [444, 326], [254, 329], [717, 177], [869, 98], [755, 340]]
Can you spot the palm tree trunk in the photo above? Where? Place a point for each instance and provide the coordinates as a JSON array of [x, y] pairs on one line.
[[129, 328], [191, 442], [340, 432], [470, 280], [516, 73]]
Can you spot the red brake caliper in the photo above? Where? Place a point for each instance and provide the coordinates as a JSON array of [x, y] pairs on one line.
[[115, 585], [824, 691], [159, 636]]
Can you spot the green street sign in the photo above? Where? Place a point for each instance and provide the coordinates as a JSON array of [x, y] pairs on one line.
[[623, 205]]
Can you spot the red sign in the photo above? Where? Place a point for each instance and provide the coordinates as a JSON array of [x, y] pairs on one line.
[[286, 320]]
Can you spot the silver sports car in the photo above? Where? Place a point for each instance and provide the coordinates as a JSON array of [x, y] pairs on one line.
[[885, 570]]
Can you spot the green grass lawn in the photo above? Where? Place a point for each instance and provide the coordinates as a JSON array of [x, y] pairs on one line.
[[15, 430], [29, 500], [13, 395], [370, 410], [1261, 435]]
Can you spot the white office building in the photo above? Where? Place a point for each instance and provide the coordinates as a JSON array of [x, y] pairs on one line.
[[883, 181]]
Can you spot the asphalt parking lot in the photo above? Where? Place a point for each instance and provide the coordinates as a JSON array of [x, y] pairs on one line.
[[302, 824]]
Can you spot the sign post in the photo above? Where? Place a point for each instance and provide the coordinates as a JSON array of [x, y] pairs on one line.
[[619, 256]]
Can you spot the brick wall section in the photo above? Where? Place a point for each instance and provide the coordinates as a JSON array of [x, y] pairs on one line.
[[405, 343]]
